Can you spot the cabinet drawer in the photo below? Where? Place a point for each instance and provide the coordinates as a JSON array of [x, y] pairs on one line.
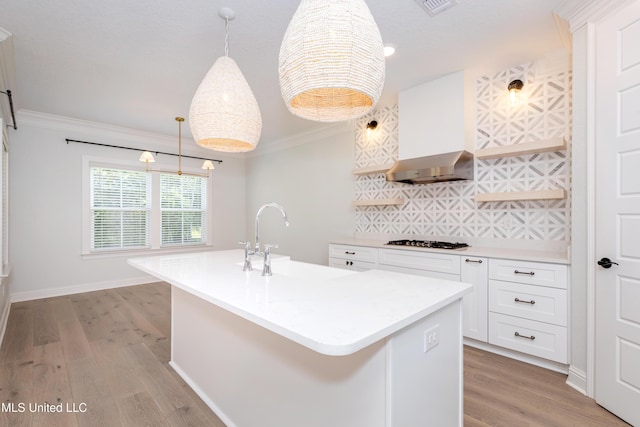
[[441, 263], [351, 265], [531, 302], [417, 272], [533, 273], [354, 253], [528, 336]]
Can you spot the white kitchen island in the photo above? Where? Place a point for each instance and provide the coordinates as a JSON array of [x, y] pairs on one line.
[[313, 345]]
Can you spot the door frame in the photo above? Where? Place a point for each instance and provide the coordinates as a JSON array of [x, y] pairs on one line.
[[580, 20]]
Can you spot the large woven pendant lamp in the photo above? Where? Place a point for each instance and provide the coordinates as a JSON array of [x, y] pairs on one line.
[[331, 61], [224, 113]]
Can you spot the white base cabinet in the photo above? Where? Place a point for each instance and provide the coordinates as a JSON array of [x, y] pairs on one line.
[[474, 305], [528, 336], [357, 258], [528, 308], [516, 305]]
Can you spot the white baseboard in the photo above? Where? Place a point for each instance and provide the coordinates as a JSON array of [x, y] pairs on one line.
[[88, 287], [577, 379], [532, 360], [4, 319]]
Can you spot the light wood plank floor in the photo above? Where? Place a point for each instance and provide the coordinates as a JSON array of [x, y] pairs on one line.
[[110, 350]]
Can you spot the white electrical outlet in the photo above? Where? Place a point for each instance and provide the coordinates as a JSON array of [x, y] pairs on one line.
[[431, 337]]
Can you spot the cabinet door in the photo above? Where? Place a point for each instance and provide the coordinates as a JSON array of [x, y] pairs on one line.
[[474, 270]]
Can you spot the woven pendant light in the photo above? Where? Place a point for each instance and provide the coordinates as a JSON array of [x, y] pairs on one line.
[[224, 113], [331, 61]]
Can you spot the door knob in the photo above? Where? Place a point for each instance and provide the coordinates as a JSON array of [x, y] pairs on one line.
[[606, 263]]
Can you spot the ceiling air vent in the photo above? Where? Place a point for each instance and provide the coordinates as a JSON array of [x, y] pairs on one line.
[[433, 7]]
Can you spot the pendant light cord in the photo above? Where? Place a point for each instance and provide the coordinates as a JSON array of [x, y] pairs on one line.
[[226, 36]]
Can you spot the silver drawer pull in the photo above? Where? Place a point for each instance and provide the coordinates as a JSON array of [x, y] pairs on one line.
[[530, 273], [524, 302], [349, 253], [524, 336], [479, 261]]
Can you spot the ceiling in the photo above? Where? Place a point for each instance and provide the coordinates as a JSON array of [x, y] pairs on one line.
[[137, 64]]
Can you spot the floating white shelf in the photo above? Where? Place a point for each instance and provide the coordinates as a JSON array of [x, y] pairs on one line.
[[379, 202], [542, 146], [510, 196], [372, 169]]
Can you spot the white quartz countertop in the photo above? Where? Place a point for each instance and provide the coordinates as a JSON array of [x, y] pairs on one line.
[[479, 251], [329, 310]]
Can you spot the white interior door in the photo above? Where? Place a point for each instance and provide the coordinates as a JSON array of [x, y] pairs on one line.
[[617, 329]]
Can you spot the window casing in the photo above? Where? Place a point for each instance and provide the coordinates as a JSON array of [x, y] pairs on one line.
[[129, 209]]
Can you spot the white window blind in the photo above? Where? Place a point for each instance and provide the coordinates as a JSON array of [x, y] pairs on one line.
[[183, 208], [120, 203]]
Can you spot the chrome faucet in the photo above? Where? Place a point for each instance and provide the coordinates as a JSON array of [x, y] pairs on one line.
[[262, 208], [266, 268], [247, 255]]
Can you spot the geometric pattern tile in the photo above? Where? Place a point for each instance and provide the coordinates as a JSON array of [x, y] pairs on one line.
[[449, 208]]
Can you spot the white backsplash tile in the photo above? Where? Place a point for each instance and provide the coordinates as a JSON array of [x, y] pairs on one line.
[[449, 208]]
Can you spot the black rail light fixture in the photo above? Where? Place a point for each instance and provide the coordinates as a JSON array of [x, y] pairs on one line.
[[13, 113], [515, 87], [147, 155]]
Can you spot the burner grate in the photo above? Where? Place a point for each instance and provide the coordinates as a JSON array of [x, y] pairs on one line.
[[428, 244]]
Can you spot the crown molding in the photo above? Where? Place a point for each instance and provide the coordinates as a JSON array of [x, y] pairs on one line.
[[137, 138], [579, 12], [104, 133], [70, 124], [301, 138], [4, 34]]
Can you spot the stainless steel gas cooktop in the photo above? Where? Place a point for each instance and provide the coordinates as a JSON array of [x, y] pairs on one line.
[[427, 244]]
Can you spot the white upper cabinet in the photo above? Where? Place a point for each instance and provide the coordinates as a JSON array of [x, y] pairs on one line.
[[432, 118]]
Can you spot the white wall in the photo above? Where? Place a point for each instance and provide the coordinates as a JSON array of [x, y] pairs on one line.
[[312, 179], [46, 203]]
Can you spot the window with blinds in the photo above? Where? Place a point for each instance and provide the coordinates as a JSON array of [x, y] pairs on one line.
[[120, 203], [183, 209]]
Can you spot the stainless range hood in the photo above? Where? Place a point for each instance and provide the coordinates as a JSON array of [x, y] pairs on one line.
[[454, 166], [435, 143]]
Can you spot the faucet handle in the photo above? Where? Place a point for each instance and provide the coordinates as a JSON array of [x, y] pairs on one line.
[[247, 251], [247, 245], [269, 246]]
